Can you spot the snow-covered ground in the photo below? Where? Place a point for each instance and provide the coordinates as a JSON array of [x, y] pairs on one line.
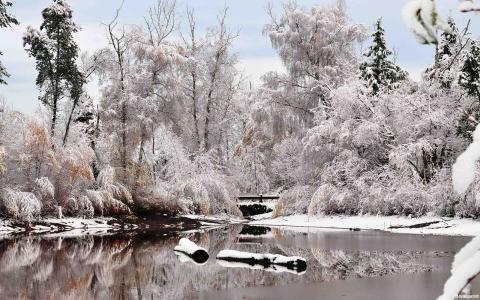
[[424, 225]]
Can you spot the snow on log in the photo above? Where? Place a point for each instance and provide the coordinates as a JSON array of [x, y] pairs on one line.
[[268, 262], [188, 251], [465, 267]]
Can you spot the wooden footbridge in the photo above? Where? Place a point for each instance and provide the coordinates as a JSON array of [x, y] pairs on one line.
[[258, 198]]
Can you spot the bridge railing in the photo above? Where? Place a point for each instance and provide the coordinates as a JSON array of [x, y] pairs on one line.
[[260, 197]]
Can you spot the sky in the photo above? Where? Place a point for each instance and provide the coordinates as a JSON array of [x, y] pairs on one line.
[[248, 16]]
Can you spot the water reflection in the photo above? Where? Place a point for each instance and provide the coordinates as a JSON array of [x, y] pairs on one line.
[[255, 230], [266, 262], [143, 266]]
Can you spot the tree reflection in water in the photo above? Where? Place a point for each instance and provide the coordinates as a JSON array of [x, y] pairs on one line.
[[144, 266]]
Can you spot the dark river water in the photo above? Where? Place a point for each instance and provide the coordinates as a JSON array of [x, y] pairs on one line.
[[142, 265]]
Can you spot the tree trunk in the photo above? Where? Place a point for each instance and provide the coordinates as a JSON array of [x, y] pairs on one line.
[[54, 116], [124, 140], [67, 129], [195, 114]]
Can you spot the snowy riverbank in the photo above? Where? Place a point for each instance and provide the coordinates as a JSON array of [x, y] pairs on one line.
[[424, 225], [70, 226]]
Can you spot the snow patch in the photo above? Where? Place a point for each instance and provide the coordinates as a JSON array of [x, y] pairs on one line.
[[438, 226]]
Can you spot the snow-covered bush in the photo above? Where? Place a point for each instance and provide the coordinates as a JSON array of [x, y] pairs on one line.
[[207, 195], [294, 201], [96, 199], [20, 205], [44, 189], [106, 181], [287, 163], [408, 200], [85, 207], [74, 170], [105, 204], [45, 192], [159, 199], [328, 199], [36, 154], [80, 207]]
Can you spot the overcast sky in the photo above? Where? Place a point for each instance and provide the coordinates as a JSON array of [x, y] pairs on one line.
[[254, 50]]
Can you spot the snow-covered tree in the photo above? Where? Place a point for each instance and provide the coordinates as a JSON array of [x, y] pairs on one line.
[[55, 53], [469, 80], [469, 77], [6, 20], [377, 69], [449, 56], [317, 47]]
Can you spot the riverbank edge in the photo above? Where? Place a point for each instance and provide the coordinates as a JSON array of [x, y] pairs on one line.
[[77, 227], [394, 224], [57, 225]]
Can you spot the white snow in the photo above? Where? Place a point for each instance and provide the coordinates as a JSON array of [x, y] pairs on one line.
[[465, 267], [66, 226], [466, 252], [468, 6], [445, 226], [418, 17], [463, 171], [239, 254], [186, 249], [187, 246], [411, 13]]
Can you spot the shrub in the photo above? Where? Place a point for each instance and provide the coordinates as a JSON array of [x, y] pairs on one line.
[[207, 195], [85, 207], [21, 205], [45, 192], [106, 181], [103, 203], [294, 201]]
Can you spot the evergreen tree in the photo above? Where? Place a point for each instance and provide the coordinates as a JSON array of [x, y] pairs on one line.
[[5, 21], [448, 40], [55, 53], [377, 70], [469, 79], [447, 64]]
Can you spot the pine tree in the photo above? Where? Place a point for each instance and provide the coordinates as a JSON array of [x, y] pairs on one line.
[[377, 70], [448, 40], [5, 21], [469, 79], [55, 53], [446, 65]]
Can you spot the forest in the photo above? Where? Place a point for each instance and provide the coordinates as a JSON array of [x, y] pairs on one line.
[[178, 129]]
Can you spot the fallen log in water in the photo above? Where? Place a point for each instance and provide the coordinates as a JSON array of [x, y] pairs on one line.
[[188, 251]]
